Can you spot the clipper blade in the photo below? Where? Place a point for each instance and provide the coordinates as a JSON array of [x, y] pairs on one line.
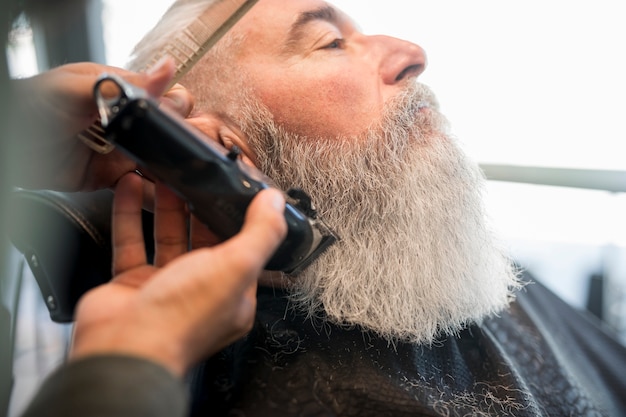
[[326, 237]]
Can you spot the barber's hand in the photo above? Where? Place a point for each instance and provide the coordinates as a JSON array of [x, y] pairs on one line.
[[188, 305], [53, 107]]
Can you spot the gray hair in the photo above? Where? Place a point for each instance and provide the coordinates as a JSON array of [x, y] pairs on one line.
[[175, 20], [213, 80]]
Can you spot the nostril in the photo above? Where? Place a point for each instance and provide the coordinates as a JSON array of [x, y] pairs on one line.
[[410, 71]]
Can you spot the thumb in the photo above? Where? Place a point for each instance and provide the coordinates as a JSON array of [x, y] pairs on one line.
[[157, 80], [263, 231], [179, 99]]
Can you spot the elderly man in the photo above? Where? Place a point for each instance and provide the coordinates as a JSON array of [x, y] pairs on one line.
[[340, 114], [416, 311], [412, 313]]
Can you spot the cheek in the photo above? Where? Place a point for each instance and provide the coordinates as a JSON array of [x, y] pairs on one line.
[[324, 107]]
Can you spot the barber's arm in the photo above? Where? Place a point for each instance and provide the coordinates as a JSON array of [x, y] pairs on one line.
[[137, 335]]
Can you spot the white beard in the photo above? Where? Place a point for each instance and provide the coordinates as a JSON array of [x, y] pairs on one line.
[[416, 258]]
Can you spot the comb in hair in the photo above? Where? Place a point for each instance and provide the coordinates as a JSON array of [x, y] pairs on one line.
[[204, 22]]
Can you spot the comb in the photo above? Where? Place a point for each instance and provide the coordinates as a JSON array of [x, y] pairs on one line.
[[186, 47]]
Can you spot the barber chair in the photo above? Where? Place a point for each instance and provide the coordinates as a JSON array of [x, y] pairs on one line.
[[66, 240]]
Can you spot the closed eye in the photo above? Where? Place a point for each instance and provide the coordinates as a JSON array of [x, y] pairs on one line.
[[335, 44]]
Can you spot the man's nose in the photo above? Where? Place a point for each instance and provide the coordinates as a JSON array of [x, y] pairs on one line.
[[400, 59]]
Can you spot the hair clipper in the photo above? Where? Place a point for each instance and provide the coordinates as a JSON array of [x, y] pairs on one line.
[[216, 184]]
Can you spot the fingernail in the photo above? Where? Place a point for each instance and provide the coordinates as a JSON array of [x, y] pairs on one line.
[[176, 103], [277, 201]]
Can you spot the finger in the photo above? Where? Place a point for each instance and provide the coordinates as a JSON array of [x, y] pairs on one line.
[[178, 99], [149, 197], [263, 230], [160, 77], [201, 235], [156, 81], [128, 242], [251, 291], [170, 226]]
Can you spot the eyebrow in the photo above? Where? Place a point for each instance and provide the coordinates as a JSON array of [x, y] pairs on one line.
[[296, 31]]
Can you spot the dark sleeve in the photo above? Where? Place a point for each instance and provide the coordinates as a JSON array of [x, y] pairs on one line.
[[110, 386]]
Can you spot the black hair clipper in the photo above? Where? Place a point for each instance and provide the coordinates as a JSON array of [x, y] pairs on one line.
[[216, 184]]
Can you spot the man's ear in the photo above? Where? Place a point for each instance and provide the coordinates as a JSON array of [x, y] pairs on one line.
[[231, 136], [223, 130]]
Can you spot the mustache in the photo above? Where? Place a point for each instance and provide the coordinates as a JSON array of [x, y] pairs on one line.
[[410, 123], [412, 117], [415, 97]]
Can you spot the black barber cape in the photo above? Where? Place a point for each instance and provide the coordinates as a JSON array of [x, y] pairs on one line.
[[539, 358]]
